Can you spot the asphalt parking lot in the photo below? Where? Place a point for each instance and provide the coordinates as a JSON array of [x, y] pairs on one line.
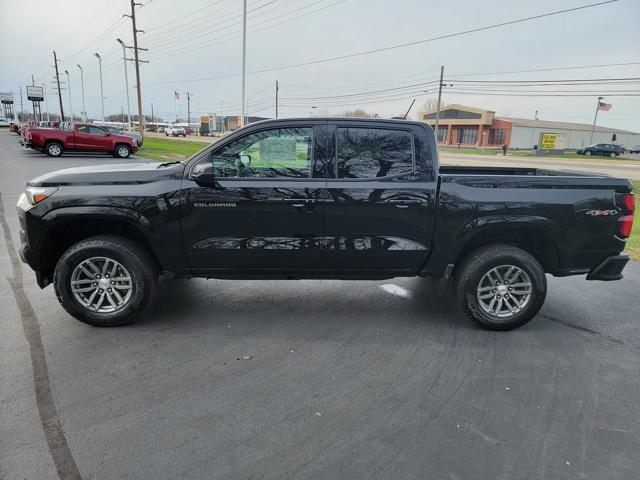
[[312, 379]]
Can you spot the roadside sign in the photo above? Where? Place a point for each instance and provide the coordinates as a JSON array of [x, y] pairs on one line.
[[552, 141], [35, 93], [6, 98]]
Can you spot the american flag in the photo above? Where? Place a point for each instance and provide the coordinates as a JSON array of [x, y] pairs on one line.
[[177, 96], [604, 106]]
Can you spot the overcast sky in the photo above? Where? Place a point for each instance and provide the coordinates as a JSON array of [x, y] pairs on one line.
[[193, 40]]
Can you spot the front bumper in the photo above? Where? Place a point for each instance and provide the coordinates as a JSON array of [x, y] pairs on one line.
[[610, 268]]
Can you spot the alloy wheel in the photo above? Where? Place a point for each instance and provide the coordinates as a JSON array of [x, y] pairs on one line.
[[101, 284], [504, 291]]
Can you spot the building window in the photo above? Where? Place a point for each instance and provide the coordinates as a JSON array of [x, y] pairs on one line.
[[442, 133], [496, 136], [468, 135]]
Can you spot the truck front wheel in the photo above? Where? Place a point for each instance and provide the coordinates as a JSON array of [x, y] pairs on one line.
[[500, 287], [123, 151], [53, 149], [105, 280]]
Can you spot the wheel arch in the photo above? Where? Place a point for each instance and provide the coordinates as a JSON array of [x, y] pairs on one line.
[[77, 224], [535, 240]]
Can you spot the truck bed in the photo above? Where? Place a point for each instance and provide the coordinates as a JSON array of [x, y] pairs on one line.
[[508, 177]]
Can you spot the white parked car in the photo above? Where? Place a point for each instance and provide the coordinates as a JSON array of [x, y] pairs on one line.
[[175, 131], [4, 122]]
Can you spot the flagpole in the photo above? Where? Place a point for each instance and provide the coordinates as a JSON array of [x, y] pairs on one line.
[[593, 128]]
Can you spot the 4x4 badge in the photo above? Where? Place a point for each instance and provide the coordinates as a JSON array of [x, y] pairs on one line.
[[601, 213]]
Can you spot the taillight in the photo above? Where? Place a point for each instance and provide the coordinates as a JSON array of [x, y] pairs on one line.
[[626, 201]]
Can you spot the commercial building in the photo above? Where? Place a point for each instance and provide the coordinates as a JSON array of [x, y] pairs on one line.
[[476, 127]]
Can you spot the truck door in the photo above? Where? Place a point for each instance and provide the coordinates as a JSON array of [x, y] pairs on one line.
[[264, 212], [379, 211], [90, 138]]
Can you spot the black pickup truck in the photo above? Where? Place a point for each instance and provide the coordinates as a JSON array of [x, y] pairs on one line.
[[321, 198]]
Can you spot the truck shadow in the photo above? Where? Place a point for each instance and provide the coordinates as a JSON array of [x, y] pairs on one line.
[[198, 305]]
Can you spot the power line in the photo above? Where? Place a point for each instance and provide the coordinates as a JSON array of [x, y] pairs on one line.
[[232, 36], [402, 45]]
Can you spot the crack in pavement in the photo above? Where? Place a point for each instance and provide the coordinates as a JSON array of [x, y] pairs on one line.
[[51, 425]]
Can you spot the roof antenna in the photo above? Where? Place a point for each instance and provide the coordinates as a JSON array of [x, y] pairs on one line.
[[410, 107]]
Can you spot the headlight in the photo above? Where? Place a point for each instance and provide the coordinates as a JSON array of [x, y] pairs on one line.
[[34, 195]]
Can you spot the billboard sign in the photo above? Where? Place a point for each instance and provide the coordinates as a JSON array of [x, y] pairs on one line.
[[35, 93], [6, 98]]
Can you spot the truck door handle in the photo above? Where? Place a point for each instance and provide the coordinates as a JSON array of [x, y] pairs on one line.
[[298, 205], [402, 205]]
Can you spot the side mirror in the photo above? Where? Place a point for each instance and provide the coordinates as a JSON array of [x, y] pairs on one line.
[[203, 175], [108, 134]]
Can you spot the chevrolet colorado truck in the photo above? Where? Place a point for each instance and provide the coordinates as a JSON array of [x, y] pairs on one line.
[[322, 198], [79, 137]]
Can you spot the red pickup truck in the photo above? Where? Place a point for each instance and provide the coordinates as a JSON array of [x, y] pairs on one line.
[[79, 137]]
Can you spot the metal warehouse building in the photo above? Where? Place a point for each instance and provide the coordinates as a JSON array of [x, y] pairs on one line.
[[476, 127]]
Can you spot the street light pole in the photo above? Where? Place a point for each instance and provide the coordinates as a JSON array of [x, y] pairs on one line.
[[439, 99], [69, 91], [244, 58], [101, 91], [46, 102], [126, 79], [83, 114], [593, 128]]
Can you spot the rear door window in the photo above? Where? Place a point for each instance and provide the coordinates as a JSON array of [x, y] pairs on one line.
[[374, 152]]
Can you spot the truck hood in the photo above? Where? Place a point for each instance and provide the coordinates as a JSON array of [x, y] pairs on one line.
[[115, 174]]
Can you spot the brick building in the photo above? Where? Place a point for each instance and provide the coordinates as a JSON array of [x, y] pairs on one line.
[[476, 127]]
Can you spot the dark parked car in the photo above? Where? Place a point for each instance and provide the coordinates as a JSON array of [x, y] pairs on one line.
[[606, 149], [322, 198]]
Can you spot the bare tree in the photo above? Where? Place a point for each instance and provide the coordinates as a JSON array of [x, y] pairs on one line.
[[358, 112], [431, 103]]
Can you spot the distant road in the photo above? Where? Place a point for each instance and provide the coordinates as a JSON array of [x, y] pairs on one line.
[[619, 168]]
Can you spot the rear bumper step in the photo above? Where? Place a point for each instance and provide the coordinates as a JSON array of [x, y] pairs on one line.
[[610, 268]]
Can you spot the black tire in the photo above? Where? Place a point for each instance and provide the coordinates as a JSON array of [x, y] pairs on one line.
[[613, 155], [472, 272], [130, 255], [122, 151], [588, 153], [53, 149]]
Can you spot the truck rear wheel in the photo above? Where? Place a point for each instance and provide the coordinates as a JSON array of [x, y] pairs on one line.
[[53, 149], [105, 280], [500, 287]]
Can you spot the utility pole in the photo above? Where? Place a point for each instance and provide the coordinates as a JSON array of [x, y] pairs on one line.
[[97, 55], [152, 115], [276, 98], [593, 128], [83, 114], [244, 58], [69, 91], [137, 62], [21, 107], [55, 61], [439, 100]]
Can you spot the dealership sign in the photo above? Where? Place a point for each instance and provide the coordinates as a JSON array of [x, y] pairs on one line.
[[6, 98], [35, 93]]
